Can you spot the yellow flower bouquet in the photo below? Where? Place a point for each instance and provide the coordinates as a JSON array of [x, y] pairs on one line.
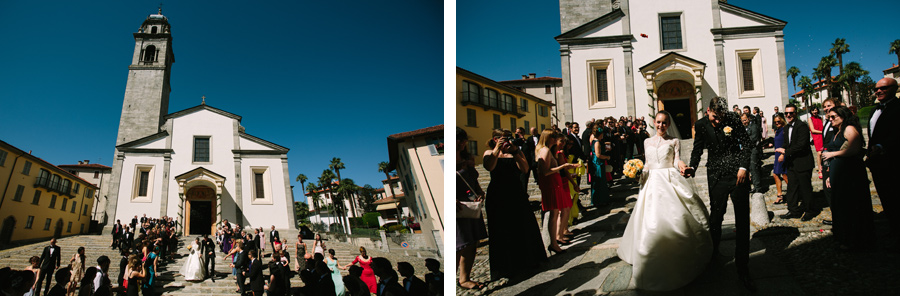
[[633, 168]]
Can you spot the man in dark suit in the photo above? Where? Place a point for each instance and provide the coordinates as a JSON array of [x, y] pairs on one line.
[[586, 138], [134, 222], [208, 248], [799, 164], [387, 278], [729, 148], [883, 152], [116, 232], [755, 133], [49, 263], [776, 114], [412, 284], [323, 283], [255, 275], [144, 219], [273, 237], [576, 148], [241, 263], [827, 135]]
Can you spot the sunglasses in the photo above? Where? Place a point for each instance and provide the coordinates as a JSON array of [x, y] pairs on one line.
[[790, 113], [883, 88], [832, 116]]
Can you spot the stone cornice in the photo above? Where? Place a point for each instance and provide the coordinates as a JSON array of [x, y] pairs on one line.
[[612, 40]]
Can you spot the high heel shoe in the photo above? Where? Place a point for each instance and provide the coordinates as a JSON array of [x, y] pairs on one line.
[[551, 250], [564, 243]]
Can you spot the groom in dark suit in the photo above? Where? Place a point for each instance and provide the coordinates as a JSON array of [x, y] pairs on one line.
[[723, 136], [50, 259]]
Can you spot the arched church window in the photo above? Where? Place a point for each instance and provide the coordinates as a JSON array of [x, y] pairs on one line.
[[150, 53], [153, 30]]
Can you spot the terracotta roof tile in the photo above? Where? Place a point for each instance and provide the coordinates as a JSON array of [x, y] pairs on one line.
[[90, 165], [545, 78], [418, 132]]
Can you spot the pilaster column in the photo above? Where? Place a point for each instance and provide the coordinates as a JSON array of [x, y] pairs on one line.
[[180, 224]]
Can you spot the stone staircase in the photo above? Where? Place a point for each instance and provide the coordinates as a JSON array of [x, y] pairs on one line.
[[170, 281]]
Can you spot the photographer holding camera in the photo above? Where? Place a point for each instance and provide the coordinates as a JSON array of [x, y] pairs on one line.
[[513, 232]]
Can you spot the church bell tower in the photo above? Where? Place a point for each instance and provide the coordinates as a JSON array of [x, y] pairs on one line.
[[147, 90]]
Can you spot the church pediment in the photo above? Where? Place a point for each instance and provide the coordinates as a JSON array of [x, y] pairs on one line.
[[253, 145], [673, 66], [608, 25], [200, 176], [200, 108], [733, 16], [151, 143]]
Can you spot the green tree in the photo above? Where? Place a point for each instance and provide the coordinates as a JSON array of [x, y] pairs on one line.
[[348, 189], [866, 91], [806, 85], [326, 182], [367, 198], [337, 165], [793, 72], [311, 192], [383, 167], [302, 211], [838, 49], [895, 49], [824, 70], [848, 78]]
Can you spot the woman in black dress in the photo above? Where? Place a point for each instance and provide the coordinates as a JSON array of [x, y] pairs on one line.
[[851, 206], [135, 273], [468, 231], [515, 238]]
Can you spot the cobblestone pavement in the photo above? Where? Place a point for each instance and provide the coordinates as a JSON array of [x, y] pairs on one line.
[[788, 257]]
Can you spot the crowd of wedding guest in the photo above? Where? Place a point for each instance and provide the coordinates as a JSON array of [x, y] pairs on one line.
[[829, 143], [156, 242]]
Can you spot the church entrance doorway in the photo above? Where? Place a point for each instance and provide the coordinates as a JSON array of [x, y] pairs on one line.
[[678, 98], [201, 210], [6, 232]]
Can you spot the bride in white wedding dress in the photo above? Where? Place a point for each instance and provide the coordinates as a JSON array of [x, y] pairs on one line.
[[193, 269], [667, 239]]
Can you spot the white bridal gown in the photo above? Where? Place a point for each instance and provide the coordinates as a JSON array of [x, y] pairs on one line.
[[667, 238], [193, 267]]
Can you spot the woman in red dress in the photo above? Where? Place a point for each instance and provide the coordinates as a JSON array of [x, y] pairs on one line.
[[815, 128], [554, 193], [368, 276]]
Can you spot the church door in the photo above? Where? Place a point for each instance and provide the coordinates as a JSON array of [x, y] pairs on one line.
[[6, 232], [677, 97], [201, 210]]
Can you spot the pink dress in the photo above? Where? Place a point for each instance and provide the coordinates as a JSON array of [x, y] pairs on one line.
[[817, 138], [368, 276]]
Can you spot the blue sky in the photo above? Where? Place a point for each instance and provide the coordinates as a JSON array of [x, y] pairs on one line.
[[503, 40], [325, 79]]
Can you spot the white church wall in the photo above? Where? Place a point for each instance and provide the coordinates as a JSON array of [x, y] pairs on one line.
[[580, 78], [127, 205], [250, 145], [267, 211], [730, 20], [771, 84], [611, 29], [155, 144], [220, 131]]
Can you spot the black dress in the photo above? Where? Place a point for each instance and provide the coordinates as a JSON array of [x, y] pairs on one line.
[[468, 231], [851, 207], [515, 238], [133, 287]]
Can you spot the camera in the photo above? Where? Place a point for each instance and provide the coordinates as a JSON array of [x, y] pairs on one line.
[[517, 141]]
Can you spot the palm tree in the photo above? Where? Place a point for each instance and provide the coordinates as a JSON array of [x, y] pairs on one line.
[[824, 69], [337, 166], [347, 188], [793, 72], [325, 181], [895, 49], [838, 48], [807, 85], [314, 198], [302, 179], [851, 74], [383, 168]]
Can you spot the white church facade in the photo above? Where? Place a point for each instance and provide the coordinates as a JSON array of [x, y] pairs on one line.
[[636, 57], [196, 165]]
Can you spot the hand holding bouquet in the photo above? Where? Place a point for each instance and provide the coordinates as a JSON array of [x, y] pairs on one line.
[[633, 168]]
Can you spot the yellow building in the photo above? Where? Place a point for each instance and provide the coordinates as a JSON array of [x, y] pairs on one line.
[[483, 105], [40, 200]]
